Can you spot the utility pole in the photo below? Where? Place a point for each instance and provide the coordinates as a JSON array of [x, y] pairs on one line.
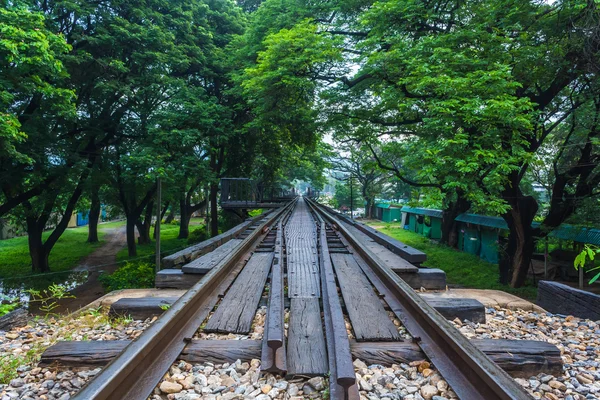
[[158, 195], [351, 200]]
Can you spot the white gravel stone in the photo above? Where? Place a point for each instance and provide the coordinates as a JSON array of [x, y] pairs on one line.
[[577, 339]]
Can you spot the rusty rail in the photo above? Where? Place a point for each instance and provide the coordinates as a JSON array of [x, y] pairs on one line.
[[140, 367], [470, 373]]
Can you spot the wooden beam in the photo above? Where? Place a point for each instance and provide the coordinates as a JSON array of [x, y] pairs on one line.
[[520, 358]]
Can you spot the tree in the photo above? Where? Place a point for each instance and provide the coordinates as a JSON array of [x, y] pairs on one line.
[[478, 113], [359, 164]]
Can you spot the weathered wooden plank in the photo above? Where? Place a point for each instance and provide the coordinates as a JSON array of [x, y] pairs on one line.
[[428, 278], [193, 252], [306, 343], [451, 308], [389, 258], [559, 298], [175, 279], [142, 307], [520, 358], [370, 321], [82, 353], [221, 351], [100, 353], [204, 264], [301, 245], [237, 310], [14, 319]]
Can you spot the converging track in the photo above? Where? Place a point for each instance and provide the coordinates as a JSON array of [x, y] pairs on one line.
[[318, 268]]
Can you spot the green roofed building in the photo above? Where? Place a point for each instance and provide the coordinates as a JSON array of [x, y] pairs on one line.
[[479, 234], [387, 212], [425, 221]]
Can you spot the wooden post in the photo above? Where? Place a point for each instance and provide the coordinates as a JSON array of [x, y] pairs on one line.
[[546, 259], [158, 196], [351, 199]]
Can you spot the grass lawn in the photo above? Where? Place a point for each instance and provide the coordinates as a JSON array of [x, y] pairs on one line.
[[110, 225], [169, 243], [462, 269], [70, 248]]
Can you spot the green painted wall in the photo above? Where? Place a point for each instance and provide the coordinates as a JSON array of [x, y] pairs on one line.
[[436, 228]]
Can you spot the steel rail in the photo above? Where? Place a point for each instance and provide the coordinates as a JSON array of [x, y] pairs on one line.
[[470, 373], [139, 368]]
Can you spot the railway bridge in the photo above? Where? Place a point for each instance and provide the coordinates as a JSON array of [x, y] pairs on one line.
[[334, 290]]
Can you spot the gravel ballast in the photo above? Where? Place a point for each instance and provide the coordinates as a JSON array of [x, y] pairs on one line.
[[578, 340]]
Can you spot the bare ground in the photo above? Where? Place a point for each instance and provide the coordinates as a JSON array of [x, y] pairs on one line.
[[103, 259]]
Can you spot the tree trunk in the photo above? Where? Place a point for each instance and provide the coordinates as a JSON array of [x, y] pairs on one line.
[[144, 226], [449, 224], [94, 216], [170, 217], [214, 211], [130, 229], [520, 236], [368, 207], [184, 223], [37, 251]]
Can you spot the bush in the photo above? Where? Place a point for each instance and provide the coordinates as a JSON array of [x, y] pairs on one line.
[[197, 235], [129, 276]]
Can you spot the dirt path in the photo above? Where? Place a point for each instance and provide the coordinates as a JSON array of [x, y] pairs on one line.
[[103, 259]]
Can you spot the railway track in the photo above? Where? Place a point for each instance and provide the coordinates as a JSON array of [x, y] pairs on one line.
[[306, 255]]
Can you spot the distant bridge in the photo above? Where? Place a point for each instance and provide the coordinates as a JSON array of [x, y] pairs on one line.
[[247, 194]]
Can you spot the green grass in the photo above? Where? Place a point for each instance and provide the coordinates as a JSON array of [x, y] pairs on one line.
[[110, 225], [168, 242], [70, 248], [462, 269]]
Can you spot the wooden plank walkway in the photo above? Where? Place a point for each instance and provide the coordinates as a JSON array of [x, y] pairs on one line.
[[306, 350], [370, 321], [208, 261], [302, 257], [306, 343], [236, 311], [389, 258]]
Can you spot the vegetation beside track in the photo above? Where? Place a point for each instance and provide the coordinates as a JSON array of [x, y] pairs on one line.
[[462, 269], [66, 254], [169, 243]]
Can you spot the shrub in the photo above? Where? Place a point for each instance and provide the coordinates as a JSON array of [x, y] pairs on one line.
[[5, 308], [197, 235], [129, 276]]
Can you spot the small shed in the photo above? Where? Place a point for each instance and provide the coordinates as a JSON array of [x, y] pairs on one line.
[[425, 221], [478, 235], [388, 213]]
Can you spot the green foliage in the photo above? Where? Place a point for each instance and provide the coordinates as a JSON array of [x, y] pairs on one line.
[[5, 308], [256, 212], [130, 276], [165, 307], [197, 235], [341, 198], [10, 363], [29, 64], [70, 249], [48, 298], [462, 269], [589, 252]]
